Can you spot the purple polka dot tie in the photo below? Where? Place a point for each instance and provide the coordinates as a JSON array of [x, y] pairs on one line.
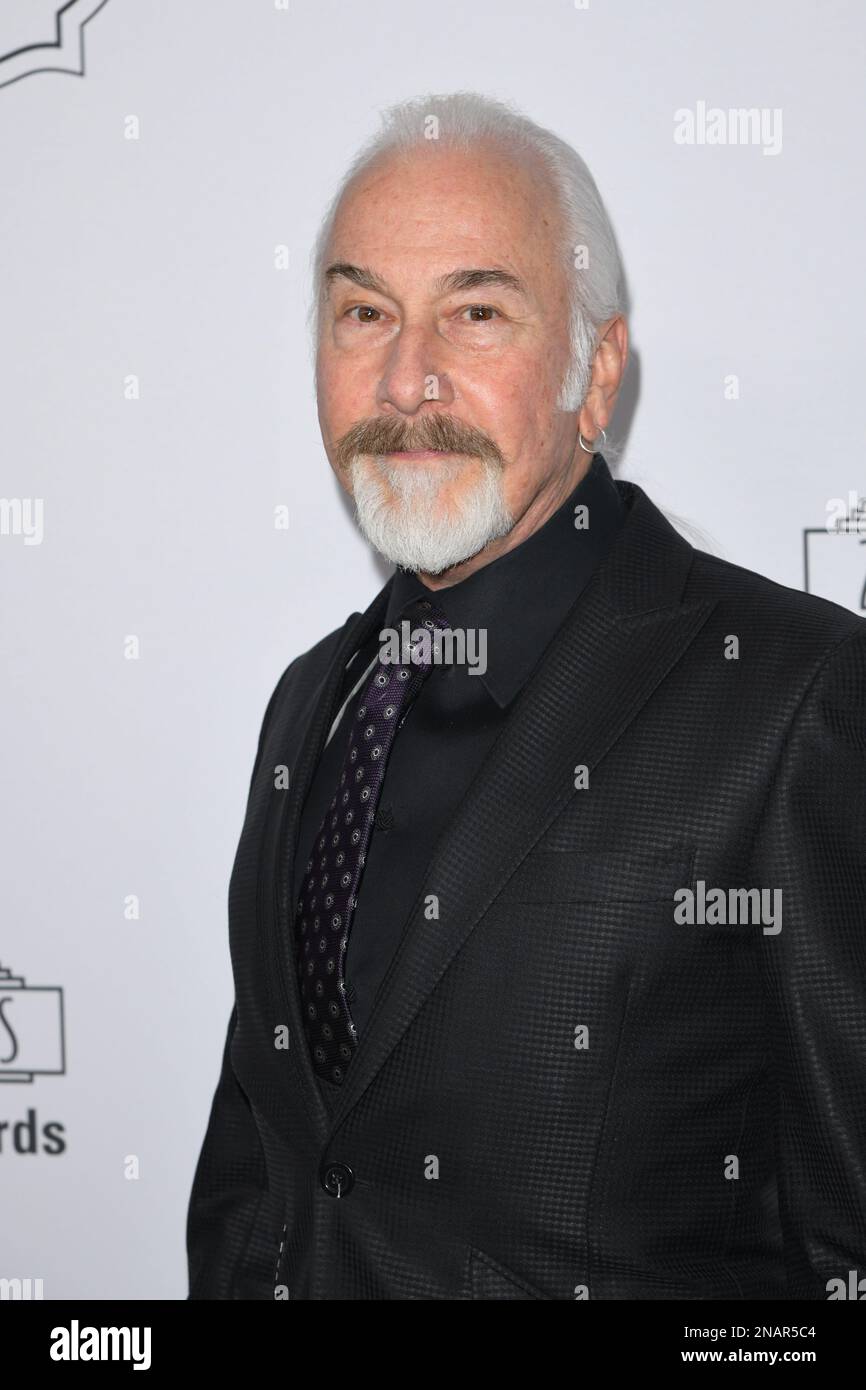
[[330, 891]]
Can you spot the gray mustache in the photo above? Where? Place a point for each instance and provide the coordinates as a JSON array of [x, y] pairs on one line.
[[391, 435]]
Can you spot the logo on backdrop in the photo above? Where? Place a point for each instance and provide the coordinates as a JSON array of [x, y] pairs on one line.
[[31, 1029], [31, 1045], [834, 555], [42, 36]]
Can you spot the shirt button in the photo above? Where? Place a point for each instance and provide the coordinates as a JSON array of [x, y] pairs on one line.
[[337, 1179]]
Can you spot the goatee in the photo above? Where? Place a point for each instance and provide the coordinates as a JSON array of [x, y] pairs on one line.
[[411, 511]]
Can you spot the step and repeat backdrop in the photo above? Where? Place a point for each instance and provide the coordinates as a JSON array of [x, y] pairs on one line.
[[169, 526]]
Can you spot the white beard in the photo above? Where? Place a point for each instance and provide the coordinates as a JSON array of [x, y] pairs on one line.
[[402, 511]]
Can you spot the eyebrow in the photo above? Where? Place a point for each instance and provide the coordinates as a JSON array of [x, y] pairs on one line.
[[454, 282], [475, 279]]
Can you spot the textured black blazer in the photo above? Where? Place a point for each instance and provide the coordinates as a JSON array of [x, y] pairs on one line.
[[562, 1091]]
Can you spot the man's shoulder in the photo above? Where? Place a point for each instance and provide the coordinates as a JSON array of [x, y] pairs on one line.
[[776, 613], [309, 669], [298, 682], [317, 659]]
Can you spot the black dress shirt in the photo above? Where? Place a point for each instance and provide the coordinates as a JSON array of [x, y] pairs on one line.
[[521, 599]]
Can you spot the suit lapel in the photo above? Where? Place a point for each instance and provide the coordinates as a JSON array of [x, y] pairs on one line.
[[624, 634], [277, 888]]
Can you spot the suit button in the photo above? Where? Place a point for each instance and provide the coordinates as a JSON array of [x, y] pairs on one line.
[[337, 1179]]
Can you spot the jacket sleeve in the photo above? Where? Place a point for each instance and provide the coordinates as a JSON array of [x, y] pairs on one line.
[[231, 1177], [811, 845]]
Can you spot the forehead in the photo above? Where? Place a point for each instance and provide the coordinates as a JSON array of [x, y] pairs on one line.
[[418, 214]]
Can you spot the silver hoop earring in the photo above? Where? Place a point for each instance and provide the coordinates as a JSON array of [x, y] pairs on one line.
[[584, 445]]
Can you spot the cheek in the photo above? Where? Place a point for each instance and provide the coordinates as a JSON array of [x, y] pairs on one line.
[[500, 389], [514, 407], [343, 394]]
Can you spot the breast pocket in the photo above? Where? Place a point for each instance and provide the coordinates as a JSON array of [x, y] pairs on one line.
[[552, 875]]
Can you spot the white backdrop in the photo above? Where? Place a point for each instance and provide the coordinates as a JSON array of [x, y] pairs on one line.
[[158, 406]]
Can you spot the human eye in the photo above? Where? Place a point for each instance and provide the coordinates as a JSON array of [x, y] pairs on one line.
[[363, 311], [481, 313]]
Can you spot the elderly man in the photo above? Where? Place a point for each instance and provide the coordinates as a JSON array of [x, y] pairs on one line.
[[548, 942]]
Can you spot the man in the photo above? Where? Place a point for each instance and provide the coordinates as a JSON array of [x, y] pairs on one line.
[[549, 960]]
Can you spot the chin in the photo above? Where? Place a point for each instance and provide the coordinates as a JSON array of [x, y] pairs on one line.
[[429, 517]]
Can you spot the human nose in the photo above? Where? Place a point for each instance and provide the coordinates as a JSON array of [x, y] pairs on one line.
[[415, 371]]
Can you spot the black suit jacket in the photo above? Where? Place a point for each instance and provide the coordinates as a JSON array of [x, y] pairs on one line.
[[562, 1092]]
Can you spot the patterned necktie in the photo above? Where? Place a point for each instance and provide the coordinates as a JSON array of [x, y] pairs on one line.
[[333, 874]]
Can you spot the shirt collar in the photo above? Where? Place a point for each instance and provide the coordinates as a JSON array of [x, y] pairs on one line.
[[523, 596]]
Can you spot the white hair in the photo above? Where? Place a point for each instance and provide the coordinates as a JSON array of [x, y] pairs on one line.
[[423, 532], [589, 249]]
